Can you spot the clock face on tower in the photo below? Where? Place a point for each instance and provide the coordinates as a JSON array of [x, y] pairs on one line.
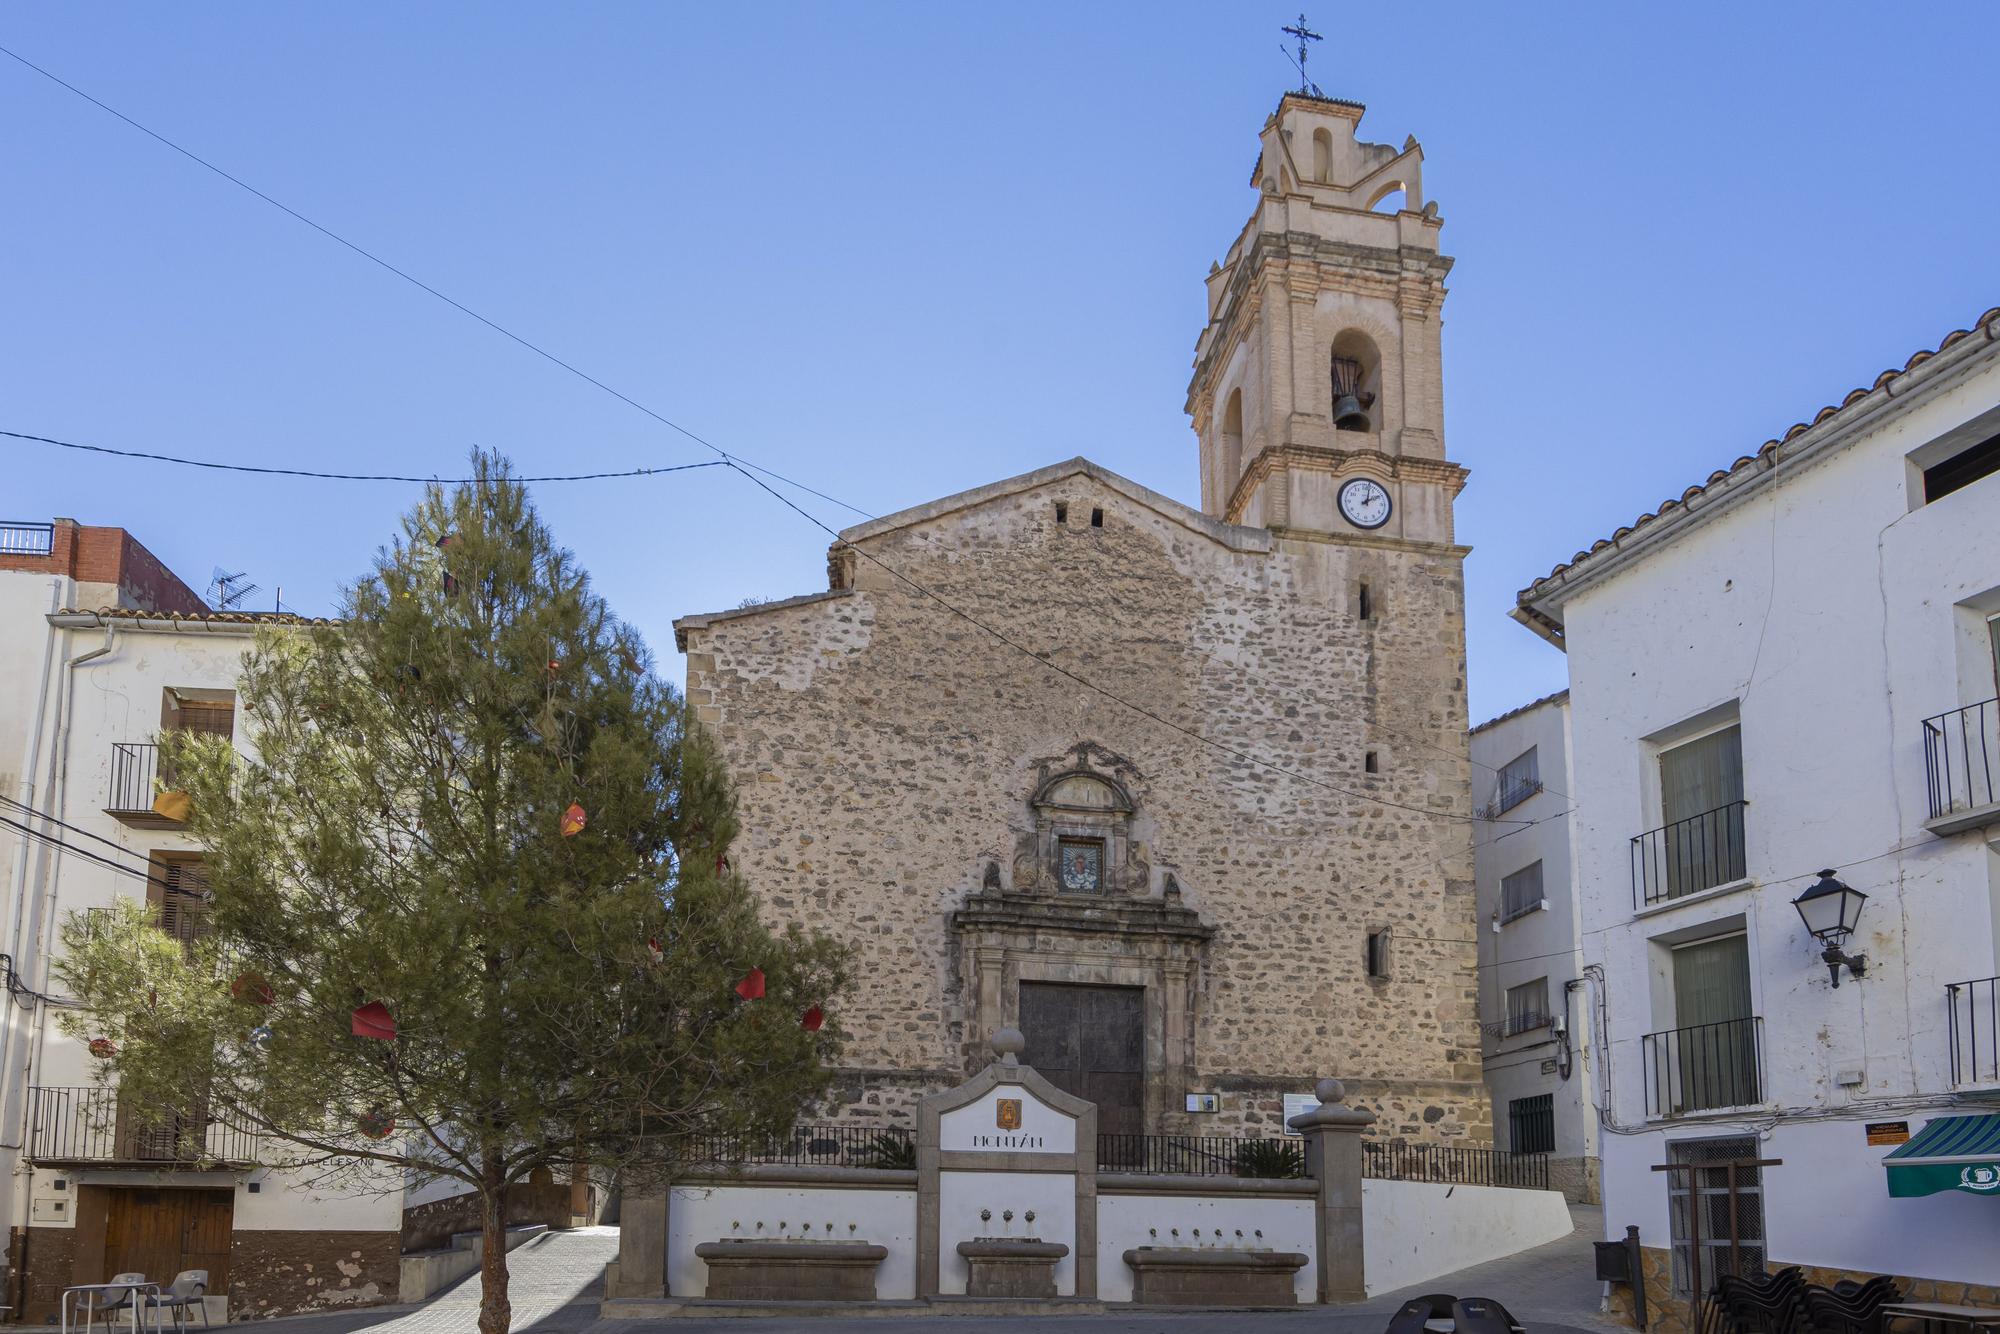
[[1365, 503]]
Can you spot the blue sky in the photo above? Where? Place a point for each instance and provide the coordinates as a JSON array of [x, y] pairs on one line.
[[898, 250]]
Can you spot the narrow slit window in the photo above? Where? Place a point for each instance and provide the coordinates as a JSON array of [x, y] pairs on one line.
[[1378, 953], [1364, 605], [1062, 512], [1370, 764], [1097, 518]]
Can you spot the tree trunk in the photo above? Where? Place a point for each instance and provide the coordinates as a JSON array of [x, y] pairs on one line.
[[495, 1311]]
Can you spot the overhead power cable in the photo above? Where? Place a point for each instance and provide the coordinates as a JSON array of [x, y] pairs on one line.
[[57, 843], [749, 470], [350, 476], [414, 281]]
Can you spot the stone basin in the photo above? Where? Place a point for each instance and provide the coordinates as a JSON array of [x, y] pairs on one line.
[[791, 1271], [1011, 1266], [1188, 1276]]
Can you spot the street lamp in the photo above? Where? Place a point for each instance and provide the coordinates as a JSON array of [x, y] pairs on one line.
[[1830, 909]]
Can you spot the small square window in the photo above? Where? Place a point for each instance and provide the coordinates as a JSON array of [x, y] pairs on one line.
[[1062, 512], [1097, 518], [1370, 764], [1080, 865]]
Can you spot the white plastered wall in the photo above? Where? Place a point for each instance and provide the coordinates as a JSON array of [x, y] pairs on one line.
[[888, 1218], [1417, 1230], [1127, 1222]]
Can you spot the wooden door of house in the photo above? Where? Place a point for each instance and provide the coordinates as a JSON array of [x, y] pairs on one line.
[[159, 1233], [1091, 1042]]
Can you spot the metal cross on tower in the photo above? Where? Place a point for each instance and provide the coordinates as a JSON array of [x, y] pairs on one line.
[[1304, 34]]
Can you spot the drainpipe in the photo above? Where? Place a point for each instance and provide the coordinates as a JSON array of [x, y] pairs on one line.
[[57, 796], [17, 923]]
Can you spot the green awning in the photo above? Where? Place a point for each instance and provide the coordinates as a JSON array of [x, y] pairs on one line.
[[1950, 1153]]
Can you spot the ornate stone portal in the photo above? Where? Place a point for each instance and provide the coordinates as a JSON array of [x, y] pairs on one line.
[[1082, 912]]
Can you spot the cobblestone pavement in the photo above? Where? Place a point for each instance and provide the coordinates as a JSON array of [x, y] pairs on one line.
[[556, 1280]]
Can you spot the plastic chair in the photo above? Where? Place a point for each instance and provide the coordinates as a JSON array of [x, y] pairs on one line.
[[1410, 1317], [107, 1302], [189, 1288], [1483, 1315]]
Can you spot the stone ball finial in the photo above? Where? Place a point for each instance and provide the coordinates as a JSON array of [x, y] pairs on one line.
[[1330, 1090], [1008, 1044]]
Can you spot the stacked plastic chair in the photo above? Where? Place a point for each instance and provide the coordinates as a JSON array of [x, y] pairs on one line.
[[1855, 1311], [1765, 1304]]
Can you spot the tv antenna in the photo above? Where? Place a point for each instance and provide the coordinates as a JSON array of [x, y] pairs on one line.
[[1304, 34], [227, 591]]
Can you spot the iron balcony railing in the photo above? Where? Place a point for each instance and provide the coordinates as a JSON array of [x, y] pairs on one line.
[[1704, 1067], [1975, 1031], [815, 1145], [134, 766], [87, 1124], [1450, 1164], [1202, 1155], [1688, 856], [1962, 758], [27, 539]]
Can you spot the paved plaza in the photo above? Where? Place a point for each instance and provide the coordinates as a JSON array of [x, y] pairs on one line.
[[557, 1277]]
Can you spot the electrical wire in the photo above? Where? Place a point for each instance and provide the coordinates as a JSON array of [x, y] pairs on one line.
[[414, 281], [46, 818], [748, 470], [351, 476], [53, 841]]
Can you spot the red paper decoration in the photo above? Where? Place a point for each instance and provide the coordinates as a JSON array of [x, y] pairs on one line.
[[373, 1020], [375, 1123], [653, 950], [752, 987], [254, 988], [103, 1048], [573, 821], [813, 1019]]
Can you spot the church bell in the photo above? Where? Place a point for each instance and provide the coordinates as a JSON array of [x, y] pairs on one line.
[[1349, 403]]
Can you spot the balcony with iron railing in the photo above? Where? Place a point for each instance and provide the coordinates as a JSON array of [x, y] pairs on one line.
[[1704, 1067], [136, 798], [1962, 767], [87, 1124], [1975, 1031], [1688, 856], [27, 539]]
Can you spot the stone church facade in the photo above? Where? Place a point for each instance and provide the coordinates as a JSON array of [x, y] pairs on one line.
[[1286, 893]]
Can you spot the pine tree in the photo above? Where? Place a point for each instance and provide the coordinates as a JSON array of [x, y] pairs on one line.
[[405, 836]]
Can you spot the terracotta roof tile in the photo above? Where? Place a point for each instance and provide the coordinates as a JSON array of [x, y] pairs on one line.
[[1769, 447], [196, 618]]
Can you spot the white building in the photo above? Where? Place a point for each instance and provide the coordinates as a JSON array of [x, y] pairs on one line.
[[1792, 667], [1530, 956], [88, 1194]]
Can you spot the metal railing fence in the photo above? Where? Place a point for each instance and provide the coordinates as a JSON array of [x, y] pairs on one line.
[[1688, 856], [1703, 1067], [1962, 758]]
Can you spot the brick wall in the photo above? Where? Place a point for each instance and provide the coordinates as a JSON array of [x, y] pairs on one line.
[[283, 1273], [114, 559]]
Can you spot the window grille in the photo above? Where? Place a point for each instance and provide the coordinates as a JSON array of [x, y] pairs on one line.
[[1728, 1245], [1520, 778], [1531, 1124]]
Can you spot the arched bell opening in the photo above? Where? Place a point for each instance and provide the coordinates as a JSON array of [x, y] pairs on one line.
[[1357, 380]]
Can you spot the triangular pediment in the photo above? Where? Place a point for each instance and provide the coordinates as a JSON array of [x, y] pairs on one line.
[[1235, 537]]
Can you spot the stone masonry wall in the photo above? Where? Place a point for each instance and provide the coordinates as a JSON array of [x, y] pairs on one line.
[[885, 751], [284, 1273]]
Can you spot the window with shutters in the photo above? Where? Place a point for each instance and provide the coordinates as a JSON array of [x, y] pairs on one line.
[[1521, 892], [1527, 1006], [202, 712], [178, 895]]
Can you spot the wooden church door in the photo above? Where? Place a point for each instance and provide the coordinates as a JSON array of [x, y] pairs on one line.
[[1091, 1042]]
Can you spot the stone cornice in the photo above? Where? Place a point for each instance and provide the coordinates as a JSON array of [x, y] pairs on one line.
[[1079, 914], [1370, 462]]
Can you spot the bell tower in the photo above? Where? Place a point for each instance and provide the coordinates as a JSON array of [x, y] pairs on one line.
[[1319, 365]]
